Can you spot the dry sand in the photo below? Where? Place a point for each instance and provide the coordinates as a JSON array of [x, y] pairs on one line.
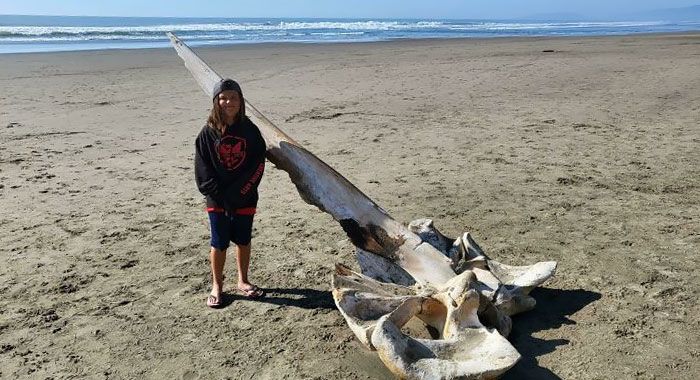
[[588, 155]]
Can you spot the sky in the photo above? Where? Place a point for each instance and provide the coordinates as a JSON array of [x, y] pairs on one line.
[[454, 9]]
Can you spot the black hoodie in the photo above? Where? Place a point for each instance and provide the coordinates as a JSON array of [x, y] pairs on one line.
[[228, 167]]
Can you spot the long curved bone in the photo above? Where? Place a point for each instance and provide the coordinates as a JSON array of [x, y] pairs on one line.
[[461, 295], [366, 224]]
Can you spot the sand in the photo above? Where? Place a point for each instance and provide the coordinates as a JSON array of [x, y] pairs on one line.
[[587, 154]]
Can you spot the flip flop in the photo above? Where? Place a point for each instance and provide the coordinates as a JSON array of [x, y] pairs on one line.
[[213, 301], [252, 293]]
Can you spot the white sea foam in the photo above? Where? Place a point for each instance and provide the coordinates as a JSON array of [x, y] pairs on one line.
[[565, 25], [83, 30], [253, 31], [48, 31]]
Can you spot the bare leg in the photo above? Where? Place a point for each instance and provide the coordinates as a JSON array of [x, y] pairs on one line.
[[243, 255], [249, 290], [217, 257]]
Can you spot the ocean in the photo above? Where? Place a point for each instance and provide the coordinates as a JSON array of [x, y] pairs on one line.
[[20, 34]]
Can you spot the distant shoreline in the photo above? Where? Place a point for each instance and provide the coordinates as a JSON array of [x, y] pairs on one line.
[[19, 34], [233, 45]]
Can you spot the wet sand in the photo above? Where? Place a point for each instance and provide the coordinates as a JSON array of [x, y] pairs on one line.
[[580, 150]]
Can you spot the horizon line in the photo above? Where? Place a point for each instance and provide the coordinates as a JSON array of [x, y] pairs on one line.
[[571, 17]]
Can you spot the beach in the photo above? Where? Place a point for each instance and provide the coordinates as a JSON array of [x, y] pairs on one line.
[[585, 151]]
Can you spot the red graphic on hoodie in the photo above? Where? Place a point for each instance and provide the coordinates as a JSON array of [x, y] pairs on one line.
[[231, 151]]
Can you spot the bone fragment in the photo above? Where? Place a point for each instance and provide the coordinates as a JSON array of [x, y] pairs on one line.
[[466, 350], [505, 285]]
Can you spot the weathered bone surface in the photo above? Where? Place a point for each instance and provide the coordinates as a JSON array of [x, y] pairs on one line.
[[464, 347], [415, 273], [507, 286], [495, 292]]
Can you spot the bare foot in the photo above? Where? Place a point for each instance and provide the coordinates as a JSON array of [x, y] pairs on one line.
[[249, 290], [214, 299]]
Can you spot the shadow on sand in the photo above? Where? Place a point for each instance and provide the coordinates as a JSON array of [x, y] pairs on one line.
[[303, 298], [554, 306]]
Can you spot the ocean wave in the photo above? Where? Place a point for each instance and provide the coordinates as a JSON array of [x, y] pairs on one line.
[[15, 31], [363, 25], [559, 25], [89, 32], [291, 30]]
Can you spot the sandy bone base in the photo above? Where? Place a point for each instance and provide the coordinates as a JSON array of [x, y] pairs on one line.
[[469, 315]]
